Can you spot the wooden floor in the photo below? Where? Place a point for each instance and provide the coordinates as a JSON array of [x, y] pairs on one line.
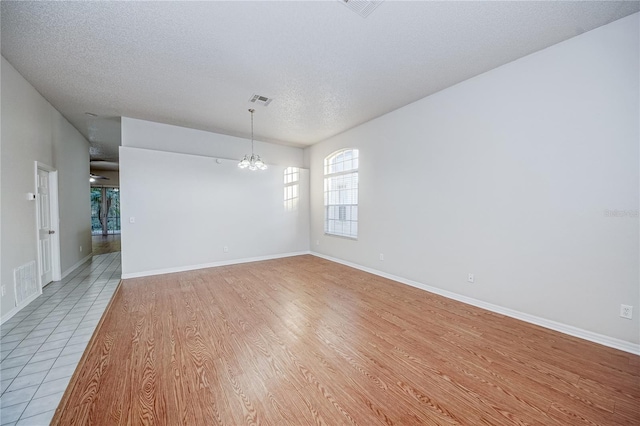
[[103, 244], [306, 341]]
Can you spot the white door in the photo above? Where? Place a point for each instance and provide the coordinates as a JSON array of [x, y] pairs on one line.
[[44, 227]]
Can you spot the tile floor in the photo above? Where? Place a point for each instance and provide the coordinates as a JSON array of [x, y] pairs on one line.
[[41, 345]]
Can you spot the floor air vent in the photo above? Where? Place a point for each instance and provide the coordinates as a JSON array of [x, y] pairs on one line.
[[25, 282]]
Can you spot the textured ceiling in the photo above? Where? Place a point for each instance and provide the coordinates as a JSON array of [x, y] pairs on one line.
[[196, 64]]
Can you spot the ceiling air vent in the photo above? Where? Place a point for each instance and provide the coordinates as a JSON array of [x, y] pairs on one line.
[[260, 100], [361, 7]]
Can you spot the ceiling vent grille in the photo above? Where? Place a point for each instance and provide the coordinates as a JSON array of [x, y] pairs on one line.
[[361, 7], [260, 100]]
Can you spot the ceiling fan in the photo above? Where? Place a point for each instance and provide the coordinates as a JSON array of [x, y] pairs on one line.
[[94, 177]]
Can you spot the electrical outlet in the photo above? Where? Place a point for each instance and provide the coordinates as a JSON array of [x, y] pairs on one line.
[[3, 290], [626, 311], [225, 249], [80, 249], [470, 278], [381, 256], [317, 242]]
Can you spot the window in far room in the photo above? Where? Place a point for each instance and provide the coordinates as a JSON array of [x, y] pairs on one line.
[[341, 193], [105, 210]]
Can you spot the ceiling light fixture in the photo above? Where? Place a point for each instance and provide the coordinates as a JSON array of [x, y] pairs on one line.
[[93, 177], [253, 162]]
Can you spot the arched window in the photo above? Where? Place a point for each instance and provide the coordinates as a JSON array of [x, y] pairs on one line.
[[341, 193]]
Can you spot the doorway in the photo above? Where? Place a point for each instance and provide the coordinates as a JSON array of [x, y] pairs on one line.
[[105, 219]]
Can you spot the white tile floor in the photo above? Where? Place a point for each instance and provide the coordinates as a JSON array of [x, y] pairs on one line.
[[41, 345]]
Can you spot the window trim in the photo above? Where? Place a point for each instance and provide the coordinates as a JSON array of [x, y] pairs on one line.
[[327, 175]]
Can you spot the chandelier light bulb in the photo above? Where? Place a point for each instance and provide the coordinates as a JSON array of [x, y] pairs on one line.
[[244, 163]]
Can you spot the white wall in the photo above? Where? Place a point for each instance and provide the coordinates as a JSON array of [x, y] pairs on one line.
[[32, 130], [165, 137], [188, 207], [509, 176]]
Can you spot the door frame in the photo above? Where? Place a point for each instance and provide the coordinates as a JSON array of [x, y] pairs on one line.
[[55, 222]]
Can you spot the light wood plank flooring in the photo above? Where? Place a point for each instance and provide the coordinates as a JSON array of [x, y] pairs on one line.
[[103, 244], [304, 341]]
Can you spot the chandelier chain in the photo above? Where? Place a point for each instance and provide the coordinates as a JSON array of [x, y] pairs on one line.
[[251, 111], [253, 162]]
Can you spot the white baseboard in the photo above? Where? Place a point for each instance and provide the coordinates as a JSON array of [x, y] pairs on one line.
[[76, 265], [210, 265], [6, 317], [611, 342]]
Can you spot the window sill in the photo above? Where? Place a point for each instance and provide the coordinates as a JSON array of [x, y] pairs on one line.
[[341, 236]]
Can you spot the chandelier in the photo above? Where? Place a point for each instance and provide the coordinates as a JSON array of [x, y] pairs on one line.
[[253, 162]]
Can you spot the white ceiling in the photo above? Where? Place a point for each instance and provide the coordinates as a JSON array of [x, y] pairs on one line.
[[196, 64]]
